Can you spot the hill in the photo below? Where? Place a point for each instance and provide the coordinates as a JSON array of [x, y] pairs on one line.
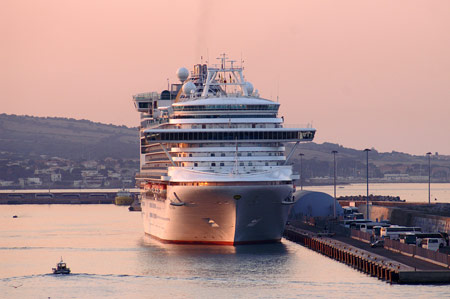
[[66, 138], [351, 164]]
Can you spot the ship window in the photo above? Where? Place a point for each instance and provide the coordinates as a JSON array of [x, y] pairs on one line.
[[213, 164], [249, 154], [143, 105], [267, 164], [222, 164], [213, 155], [241, 164], [222, 154], [190, 155], [195, 164], [243, 135], [250, 163]]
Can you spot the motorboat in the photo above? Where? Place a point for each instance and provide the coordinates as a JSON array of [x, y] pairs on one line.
[[61, 268]]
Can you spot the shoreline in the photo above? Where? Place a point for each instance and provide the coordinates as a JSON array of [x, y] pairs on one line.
[[47, 190]]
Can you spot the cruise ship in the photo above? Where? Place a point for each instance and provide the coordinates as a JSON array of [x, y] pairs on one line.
[[213, 168]]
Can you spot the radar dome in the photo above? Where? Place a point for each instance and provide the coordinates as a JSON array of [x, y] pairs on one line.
[[249, 87], [188, 87], [182, 74]]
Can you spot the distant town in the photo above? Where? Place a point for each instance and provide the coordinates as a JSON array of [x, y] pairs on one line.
[[52, 172], [45, 172]]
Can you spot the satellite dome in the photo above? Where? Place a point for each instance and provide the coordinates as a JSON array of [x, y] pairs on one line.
[[182, 74], [249, 87], [188, 87]]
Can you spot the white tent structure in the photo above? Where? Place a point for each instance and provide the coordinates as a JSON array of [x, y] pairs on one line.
[[314, 204]]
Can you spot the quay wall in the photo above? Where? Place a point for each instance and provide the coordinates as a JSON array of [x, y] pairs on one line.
[[381, 266]]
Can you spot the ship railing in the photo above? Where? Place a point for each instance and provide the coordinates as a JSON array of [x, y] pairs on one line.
[[146, 96], [153, 122], [298, 126]]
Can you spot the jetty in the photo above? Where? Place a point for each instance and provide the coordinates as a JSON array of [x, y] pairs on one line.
[[388, 264], [60, 196]]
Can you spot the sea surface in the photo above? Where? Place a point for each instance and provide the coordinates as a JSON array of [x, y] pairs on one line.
[[109, 255], [411, 192]]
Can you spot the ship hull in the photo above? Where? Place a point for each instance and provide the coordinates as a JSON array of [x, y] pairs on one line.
[[224, 215]]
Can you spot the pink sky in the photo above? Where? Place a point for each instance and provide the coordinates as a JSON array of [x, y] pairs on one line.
[[365, 73]]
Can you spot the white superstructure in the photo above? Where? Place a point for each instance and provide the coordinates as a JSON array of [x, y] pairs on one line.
[[213, 168]]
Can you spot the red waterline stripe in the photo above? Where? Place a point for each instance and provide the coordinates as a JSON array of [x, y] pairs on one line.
[[223, 243]]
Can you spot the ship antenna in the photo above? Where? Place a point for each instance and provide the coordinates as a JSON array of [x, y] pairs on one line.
[[278, 88]]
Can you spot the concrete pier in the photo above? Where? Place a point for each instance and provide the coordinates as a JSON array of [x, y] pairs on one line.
[[379, 266]]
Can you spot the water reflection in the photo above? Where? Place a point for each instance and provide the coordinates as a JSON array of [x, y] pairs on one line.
[[243, 262], [188, 249]]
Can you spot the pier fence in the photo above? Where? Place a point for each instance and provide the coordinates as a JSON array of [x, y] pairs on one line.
[[363, 236], [418, 252]]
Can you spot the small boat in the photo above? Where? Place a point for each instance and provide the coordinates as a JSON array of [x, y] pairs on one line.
[[123, 198], [135, 205], [61, 268]]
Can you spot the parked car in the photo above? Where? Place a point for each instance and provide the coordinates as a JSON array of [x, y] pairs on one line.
[[377, 243], [430, 244]]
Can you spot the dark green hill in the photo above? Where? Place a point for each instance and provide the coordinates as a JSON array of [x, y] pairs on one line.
[[67, 138], [351, 163]]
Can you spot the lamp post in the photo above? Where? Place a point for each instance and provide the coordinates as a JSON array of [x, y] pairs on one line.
[[301, 170], [429, 177], [334, 202], [367, 198]]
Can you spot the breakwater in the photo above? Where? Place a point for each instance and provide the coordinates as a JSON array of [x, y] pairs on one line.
[[92, 196]]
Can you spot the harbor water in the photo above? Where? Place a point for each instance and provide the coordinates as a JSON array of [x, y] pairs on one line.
[[411, 192], [109, 255]]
